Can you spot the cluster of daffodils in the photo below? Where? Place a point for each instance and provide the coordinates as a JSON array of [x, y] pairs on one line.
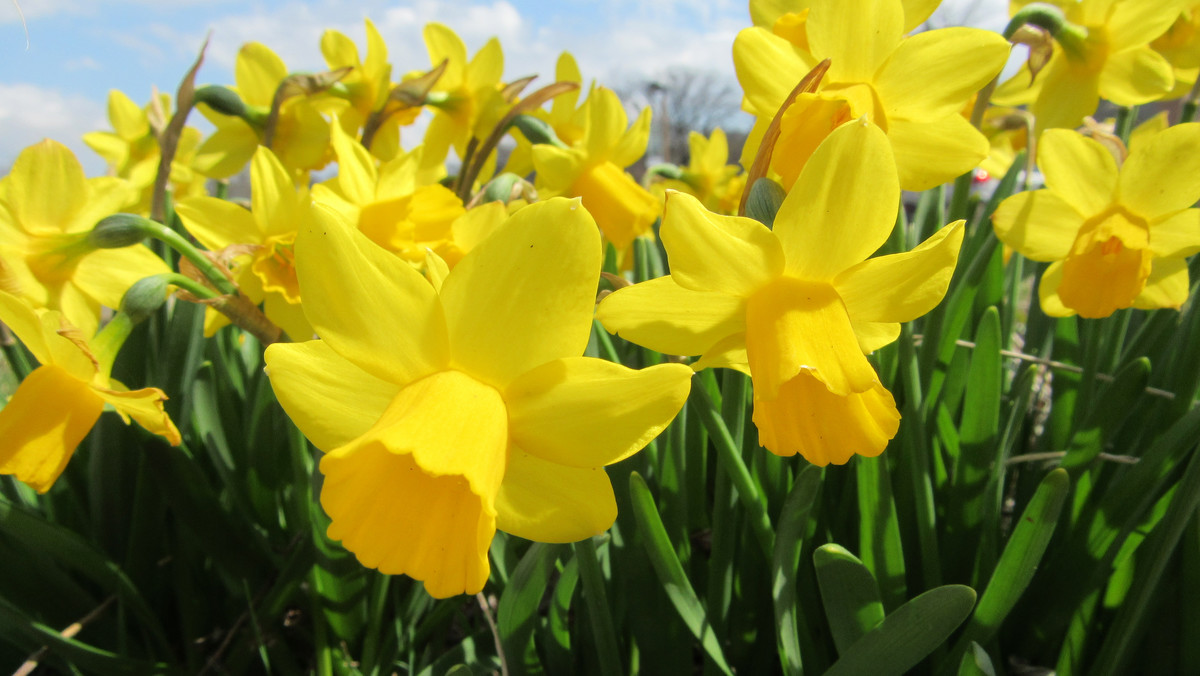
[[427, 325]]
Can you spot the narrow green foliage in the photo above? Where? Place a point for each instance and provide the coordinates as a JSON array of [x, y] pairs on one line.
[[790, 622], [907, 635]]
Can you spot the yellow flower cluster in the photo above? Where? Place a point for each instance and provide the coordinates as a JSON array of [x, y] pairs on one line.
[[440, 320]]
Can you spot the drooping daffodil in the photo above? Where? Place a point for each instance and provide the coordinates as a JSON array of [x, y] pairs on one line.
[[797, 307], [449, 410], [58, 403]]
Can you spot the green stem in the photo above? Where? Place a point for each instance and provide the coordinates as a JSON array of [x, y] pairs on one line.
[[108, 340], [1126, 117], [148, 228], [598, 610], [1191, 103], [731, 459], [190, 285]]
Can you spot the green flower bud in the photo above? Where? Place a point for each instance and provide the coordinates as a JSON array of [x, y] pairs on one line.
[[764, 200], [118, 231], [145, 297], [221, 99], [537, 130]]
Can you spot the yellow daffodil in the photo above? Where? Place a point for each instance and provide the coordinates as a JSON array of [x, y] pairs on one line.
[[567, 121], [260, 242], [47, 208], [448, 411], [797, 306], [593, 169], [910, 87], [368, 85], [1104, 53], [1115, 237], [131, 149], [709, 176], [389, 205], [58, 403], [467, 97], [301, 138]]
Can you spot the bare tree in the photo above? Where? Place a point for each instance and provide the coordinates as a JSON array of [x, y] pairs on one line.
[[685, 99]]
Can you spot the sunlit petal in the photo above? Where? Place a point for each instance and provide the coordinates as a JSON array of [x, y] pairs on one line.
[[546, 502], [663, 316]]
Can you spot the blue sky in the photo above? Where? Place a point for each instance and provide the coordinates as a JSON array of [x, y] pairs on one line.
[[80, 49]]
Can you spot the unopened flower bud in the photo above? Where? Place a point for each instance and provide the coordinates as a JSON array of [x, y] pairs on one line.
[[221, 99], [144, 298], [764, 200], [118, 231], [537, 130]]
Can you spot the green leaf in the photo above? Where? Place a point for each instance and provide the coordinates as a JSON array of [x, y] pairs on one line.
[[908, 635], [850, 594], [517, 613], [670, 571], [879, 528], [789, 540], [1019, 561], [1111, 409]]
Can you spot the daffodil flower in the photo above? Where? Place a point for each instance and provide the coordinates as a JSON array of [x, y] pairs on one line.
[[467, 97], [368, 85], [47, 207], [393, 204], [1115, 237], [797, 306], [301, 139], [265, 235], [786, 18], [910, 87], [593, 169], [708, 176], [1106, 55], [57, 404], [131, 150], [447, 411]]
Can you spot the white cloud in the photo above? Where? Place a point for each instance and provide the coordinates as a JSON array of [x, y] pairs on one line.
[[29, 113]]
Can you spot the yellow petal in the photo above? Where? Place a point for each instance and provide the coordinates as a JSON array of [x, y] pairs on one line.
[[606, 122], [416, 494], [931, 153], [843, 206], [372, 308], [217, 223], [663, 316], [43, 422], [356, 169], [273, 199], [1162, 174], [808, 419], [545, 502], [917, 11], [227, 151], [46, 188], [631, 146], [526, 294], [794, 326], [443, 43], [487, 66], [710, 252], [903, 286], [1136, 76], [1078, 169], [331, 400], [926, 79], [857, 36], [1038, 223], [1133, 24], [24, 322], [128, 119], [805, 124], [1177, 236], [768, 68], [874, 335], [1166, 287], [585, 412], [729, 353], [338, 49], [146, 407], [106, 274], [258, 72], [1048, 298], [288, 316], [1069, 91]]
